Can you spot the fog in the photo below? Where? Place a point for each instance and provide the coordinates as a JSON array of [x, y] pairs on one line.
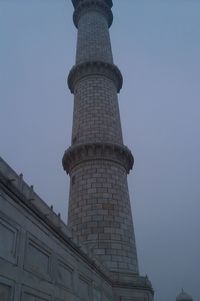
[[156, 45]]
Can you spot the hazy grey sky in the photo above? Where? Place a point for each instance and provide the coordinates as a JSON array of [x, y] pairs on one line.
[[156, 44]]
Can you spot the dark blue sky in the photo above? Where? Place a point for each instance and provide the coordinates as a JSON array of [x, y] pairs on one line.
[[156, 44]]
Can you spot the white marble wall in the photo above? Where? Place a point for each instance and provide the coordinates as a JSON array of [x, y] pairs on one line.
[[37, 261]]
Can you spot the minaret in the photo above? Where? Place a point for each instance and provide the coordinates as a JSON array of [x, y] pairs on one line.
[[97, 161]]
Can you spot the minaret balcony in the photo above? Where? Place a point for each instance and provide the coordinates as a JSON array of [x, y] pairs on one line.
[[81, 153]]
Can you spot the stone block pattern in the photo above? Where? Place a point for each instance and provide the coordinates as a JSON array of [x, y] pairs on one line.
[[99, 205], [100, 213], [93, 42], [96, 112]]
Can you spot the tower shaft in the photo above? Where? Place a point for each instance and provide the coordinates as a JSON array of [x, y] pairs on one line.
[[97, 161]]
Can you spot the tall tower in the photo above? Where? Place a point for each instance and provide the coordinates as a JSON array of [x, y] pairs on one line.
[[97, 161]]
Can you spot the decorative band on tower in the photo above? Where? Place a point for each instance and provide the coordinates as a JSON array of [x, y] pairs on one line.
[[78, 154], [83, 70]]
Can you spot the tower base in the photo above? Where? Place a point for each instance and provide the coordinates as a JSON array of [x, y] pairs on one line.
[[139, 289]]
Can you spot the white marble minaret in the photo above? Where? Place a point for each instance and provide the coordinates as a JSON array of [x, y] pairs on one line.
[[97, 161]]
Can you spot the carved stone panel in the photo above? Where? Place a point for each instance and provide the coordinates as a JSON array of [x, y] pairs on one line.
[[8, 238], [6, 289], [131, 299], [96, 295], [64, 275], [29, 294], [5, 292], [84, 288], [37, 258]]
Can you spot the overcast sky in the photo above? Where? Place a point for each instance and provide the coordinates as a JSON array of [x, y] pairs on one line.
[[156, 44]]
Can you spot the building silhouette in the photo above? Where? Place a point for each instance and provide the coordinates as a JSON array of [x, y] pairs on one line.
[[183, 296], [93, 257]]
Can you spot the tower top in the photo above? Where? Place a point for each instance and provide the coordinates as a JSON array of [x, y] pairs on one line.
[[83, 6], [183, 296], [76, 2]]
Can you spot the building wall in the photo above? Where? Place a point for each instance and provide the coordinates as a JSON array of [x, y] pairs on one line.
[[39, 259], [42, 260]]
